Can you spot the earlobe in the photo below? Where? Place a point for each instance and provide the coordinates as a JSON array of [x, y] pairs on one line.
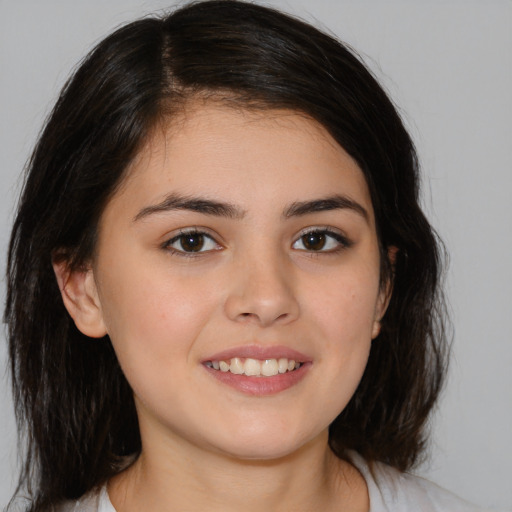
[[80, 296], [376, 329]]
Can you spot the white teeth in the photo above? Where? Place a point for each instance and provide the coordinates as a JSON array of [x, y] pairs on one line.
[[236, 366], [269, 368], [252, 367], [255, 367]]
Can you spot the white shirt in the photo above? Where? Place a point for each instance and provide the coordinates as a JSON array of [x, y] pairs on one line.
[[393, 491]]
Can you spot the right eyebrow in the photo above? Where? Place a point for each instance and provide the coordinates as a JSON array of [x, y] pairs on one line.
[[196, 204], [335, 202]]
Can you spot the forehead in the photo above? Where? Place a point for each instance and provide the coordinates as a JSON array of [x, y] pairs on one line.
[[241, 155]]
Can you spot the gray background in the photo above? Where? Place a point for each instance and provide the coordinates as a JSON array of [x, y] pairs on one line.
[[447, 64]]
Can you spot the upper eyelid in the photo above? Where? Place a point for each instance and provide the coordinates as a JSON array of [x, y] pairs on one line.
[[169, 241], [322, 229], [171, 238], [339, 235]]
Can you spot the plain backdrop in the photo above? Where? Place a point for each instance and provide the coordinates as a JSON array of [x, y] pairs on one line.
[[448, 66]]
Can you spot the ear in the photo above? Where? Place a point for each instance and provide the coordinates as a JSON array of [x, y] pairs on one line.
[[80, 297], [385, 293]]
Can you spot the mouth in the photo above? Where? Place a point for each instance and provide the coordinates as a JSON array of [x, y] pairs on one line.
[[257, 370], [254, 367]]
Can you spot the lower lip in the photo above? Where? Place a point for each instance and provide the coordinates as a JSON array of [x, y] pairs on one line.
[[261, 386]]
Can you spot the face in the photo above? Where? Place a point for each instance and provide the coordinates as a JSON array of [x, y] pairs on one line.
[[237, 275]]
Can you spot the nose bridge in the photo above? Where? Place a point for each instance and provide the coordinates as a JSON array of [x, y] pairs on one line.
[[262, 287]]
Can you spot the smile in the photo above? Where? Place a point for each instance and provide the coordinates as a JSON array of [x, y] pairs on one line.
[[255, 367]]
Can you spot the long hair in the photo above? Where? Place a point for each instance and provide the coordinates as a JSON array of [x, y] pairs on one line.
[[74, 407]]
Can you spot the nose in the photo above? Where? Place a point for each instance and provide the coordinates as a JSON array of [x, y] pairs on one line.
[[262, 292]]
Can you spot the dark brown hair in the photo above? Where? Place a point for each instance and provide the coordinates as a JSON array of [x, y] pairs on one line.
[[73, 403]]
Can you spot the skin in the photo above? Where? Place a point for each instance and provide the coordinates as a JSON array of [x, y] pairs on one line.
[[206, 445]]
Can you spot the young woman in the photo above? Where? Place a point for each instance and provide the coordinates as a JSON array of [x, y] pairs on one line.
[[222, 293]]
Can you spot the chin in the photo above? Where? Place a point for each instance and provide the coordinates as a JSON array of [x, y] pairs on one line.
[[261, 453], [266, 444]]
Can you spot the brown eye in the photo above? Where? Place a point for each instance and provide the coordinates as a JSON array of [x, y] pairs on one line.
[[189, 242], [321, 240], [192, 242], [313, 241]]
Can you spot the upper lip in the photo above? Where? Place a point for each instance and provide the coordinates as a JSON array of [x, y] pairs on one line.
[[259, 352]]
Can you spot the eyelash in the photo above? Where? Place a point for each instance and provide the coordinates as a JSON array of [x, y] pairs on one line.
[[341, 241], [189, 233]]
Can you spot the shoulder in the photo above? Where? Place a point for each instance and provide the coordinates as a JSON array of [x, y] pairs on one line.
[[94, 501], [391, 490]]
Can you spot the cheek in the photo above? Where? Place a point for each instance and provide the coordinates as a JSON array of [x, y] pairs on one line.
[[345, 308], [344, 314], [151, 316], [342, 321]]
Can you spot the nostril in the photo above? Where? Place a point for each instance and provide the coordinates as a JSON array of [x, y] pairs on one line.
[[247, 317], [261, 309]]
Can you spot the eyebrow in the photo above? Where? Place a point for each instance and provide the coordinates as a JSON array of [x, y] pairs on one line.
[[194, 204], [221, 209], [335, 202]]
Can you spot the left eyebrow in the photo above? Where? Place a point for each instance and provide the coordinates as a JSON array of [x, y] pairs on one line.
[[336, 202], [194, 204]]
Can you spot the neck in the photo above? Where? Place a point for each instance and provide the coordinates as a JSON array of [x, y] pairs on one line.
[[188, 478]]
